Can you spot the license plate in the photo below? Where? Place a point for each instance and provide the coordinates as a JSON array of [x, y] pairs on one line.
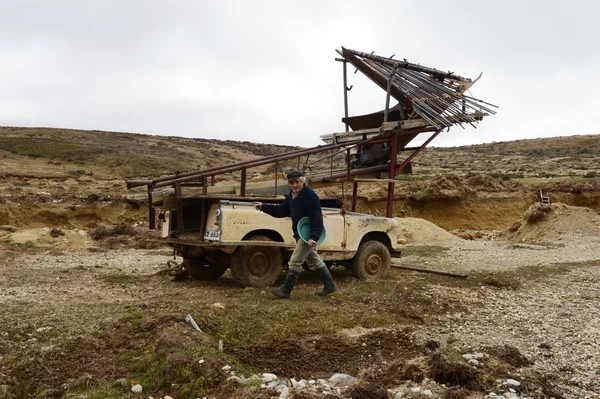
[[212, 235]]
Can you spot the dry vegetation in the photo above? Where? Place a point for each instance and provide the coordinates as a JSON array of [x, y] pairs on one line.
[[89, 308]]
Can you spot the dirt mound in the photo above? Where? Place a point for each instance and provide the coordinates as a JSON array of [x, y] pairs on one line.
[[423, 232], [447, 185], [485, 182], [555, 223]]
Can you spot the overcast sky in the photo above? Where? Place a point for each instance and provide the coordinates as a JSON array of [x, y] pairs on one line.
[[264, 71]]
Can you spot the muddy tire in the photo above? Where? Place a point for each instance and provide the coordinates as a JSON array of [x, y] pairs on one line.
[[372, 261], [256, 266], [200, 269]]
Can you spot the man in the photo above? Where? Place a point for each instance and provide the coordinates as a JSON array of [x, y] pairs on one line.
[[300, 202]]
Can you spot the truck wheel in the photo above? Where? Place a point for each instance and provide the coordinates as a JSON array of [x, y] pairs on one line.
[[256, 266], [372, 261], [200, 269]]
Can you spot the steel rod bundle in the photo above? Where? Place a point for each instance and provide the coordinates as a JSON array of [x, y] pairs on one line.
[[434, 95]]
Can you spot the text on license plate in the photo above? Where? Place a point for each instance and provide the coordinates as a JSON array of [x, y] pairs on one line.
[[214, 235]]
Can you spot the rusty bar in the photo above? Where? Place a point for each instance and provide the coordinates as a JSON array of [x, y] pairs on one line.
[[238, 165], [354, 194], [243, 183], [346, 90], [414, 154], [391, 174], [179, 208], [347, 163], [230, 167], [406, 64], [151, 211], [204, 186], [433, 271], [387, 95]]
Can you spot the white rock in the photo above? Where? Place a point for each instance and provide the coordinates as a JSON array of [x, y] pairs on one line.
[[467, 356], [474, 362], [415, 389], [342, 379], [293, 382], [301, 384], [267, 377], [201, 361], [234, 378], [515, 383], [512, 390], [218, 305], [167, 397], [312, 382], [226, 368], [478, 355], [427, 392], [284, 393], [272, 384], [137, 388], [279, 388]]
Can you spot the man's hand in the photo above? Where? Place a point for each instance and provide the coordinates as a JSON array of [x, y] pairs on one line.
[[312, 243], [258, 205]]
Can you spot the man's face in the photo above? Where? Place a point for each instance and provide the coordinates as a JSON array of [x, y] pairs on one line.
[[296, 185]]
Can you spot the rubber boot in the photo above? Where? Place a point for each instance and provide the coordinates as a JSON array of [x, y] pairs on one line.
[[329, 285], [288, 286]]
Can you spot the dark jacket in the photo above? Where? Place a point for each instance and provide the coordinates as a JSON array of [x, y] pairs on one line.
[[306, 203]]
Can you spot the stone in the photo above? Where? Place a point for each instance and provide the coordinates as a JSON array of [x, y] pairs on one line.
[[301, 384], [342, 379], [467, 356], [226, 368], [268, 377], [137, 388], [427, 392], [284, 393], [515, 383], [234, 378], [474, 362], [167, 397]]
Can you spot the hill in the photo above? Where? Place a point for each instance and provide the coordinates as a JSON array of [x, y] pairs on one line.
[[486, 186]]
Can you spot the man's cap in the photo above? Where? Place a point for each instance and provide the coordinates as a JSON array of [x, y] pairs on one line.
[[294, 174]]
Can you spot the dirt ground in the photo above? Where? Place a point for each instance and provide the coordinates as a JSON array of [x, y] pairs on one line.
[[88, 315]]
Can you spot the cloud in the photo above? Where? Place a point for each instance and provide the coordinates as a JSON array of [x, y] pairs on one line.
[[265, 71]]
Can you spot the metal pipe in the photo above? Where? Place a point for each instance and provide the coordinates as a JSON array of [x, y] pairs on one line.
[[238, 165], [265, 160], [346, 90], [388, 93], [405, 64]]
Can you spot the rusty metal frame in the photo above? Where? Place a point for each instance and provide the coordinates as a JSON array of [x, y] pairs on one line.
[[396, 139]]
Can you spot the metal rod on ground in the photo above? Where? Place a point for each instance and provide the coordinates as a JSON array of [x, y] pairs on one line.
[[191, 322], [434, 271]]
